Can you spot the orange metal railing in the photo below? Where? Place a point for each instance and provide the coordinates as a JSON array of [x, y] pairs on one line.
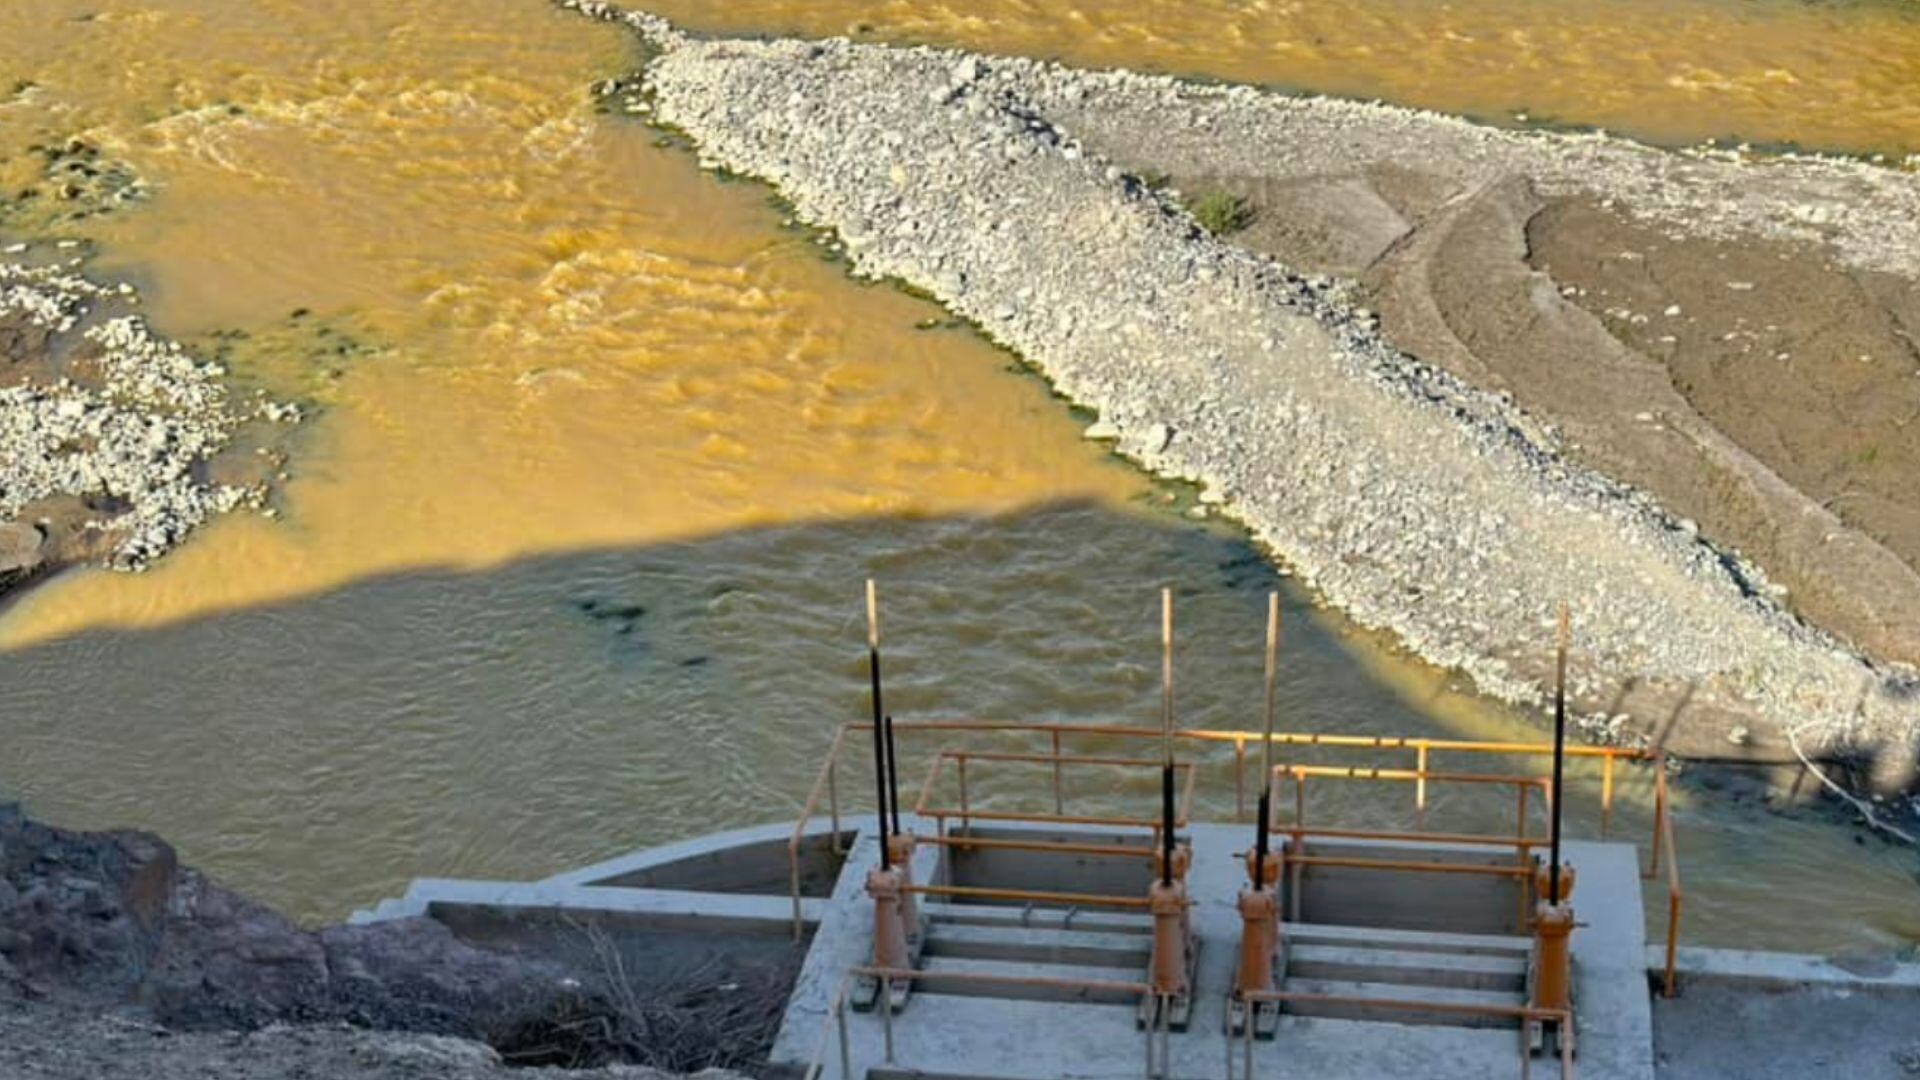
[[966, 813], [1663, 842], [1059, 738], [1295, 858]]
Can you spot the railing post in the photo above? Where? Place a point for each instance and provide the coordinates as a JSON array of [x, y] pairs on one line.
[[833, 803], [1240, 778], [1058, 805], [1672, 987], [1521, 832], [1606, 795], [793, 881], [1420, 789], [1659, 812], [1522, 853], [966, 806]]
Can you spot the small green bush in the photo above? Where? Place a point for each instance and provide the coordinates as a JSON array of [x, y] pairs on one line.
[[1221, 212]]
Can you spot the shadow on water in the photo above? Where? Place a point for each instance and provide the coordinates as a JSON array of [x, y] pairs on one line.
[[516, 721]]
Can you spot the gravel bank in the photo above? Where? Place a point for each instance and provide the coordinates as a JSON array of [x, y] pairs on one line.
[[1412, 501], [105, 428]]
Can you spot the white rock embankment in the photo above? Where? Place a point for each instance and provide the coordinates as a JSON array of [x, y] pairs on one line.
[[133, 436], [1412, 501]]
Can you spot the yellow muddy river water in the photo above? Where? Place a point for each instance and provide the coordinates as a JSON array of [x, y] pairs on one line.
[[569, 556]]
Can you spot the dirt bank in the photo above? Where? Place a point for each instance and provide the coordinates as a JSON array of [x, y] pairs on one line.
[[1412, 499], [1757, 388]]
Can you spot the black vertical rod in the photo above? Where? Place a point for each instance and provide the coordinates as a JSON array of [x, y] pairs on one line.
[[1559, 749], [879, 725], [1166, 736], [1166, 824], [1266, 741], [893, 778]]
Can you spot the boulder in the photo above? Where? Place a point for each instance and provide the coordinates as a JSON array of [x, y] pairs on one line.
[[21, 547]]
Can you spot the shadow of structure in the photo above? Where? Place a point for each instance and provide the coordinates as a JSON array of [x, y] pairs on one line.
[[512, 722], [527, 717]]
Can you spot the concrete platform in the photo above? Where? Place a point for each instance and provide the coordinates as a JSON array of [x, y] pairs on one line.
[[980, 1032]]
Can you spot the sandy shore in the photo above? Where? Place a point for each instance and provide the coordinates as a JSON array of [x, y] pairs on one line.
[[1413, 499]]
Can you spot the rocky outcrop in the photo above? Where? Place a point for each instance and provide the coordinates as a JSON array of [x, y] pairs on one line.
[[111, 922], [113, 919], [58, 1043]]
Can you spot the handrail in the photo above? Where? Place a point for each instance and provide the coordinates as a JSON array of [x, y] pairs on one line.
[[1062, 847], [836, 1017], [1410, 865], [1038, 896], [966, 813], [1663, 814], [1295, 857], [828, 779], [1524, 843], [1418, 776], [1661, 842], [1422, 746], [1421, 776], [1280, 738]]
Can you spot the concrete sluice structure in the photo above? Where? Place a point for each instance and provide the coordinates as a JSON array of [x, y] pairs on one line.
[[967, 936], [1032, 950]]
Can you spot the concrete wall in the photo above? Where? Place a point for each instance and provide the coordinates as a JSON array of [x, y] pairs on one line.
[[758, 868], [1401, 900], [1051, 871]]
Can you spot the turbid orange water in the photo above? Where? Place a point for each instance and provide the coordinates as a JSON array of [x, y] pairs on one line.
[[1835, 76], [597, 380]]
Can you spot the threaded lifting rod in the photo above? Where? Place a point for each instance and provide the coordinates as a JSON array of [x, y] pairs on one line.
[[1166, 736], [880, 732], [1559, 750], [1266, 741]]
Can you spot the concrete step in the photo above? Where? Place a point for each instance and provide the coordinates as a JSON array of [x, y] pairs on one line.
[[1366, 992], [1466, 971], [1038, 945], [391, 908], [1092, 919], [1377, 937], [936, 966]]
